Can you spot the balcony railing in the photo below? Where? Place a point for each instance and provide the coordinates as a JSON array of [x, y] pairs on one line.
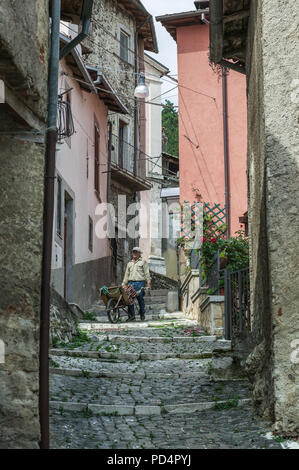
[[122, 154]]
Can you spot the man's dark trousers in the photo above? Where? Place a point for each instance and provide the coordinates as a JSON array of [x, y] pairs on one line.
[[137, 286]]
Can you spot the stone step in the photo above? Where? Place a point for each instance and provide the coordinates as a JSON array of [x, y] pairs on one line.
[[95, 367], [148, 307], [147, 391], [103, 317], [127, 356], [145, 410], [97, 326]]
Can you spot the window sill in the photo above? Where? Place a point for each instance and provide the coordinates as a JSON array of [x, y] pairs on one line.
[[123, 60]]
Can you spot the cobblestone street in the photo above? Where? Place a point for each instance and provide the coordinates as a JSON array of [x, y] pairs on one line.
[[149, 385]]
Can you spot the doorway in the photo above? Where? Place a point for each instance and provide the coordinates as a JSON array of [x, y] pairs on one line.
[[68, 244]]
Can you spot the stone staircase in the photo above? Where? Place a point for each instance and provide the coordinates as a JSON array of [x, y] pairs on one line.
[[155, 301], [159, 384]]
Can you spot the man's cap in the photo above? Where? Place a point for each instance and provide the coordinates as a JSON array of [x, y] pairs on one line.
[[136, 248]]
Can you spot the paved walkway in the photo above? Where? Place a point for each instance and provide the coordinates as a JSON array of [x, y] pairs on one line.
[[149, 385]]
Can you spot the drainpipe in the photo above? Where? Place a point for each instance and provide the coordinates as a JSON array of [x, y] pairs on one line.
[[204, 19], [226, 150], [136, 113], [86, 20], [51, 139], [48, 214]]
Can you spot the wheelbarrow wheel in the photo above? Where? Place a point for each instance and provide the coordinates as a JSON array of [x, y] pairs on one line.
[[112, 312]]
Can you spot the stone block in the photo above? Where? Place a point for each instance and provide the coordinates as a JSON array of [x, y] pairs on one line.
[[147, 410], [172, 302]]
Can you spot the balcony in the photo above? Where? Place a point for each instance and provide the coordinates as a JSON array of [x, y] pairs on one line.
[[122, 167]]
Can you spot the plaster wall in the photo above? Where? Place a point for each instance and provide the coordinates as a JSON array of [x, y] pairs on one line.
[[201, 126]]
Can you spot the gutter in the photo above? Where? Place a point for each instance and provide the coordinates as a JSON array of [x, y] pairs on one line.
[[136, 111], [82, 67], [149, 18], [86, 20], [226, 152], [51, 139], [48, 213]]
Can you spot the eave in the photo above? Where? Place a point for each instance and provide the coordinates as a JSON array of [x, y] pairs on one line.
[[228, 33], [144, 23], [71, 10], [176, 20], [88, 75], [128, 180]]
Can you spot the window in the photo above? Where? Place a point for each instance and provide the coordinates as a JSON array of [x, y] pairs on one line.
[[123, 145], [96, 158], [124, 46], [68, 117], [90, 234], [58, 207]]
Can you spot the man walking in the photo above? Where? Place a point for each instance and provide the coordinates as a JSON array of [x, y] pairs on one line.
[[137, 275]]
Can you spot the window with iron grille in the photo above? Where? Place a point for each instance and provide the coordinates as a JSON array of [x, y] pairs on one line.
[[96, 157], [123, 145], [124, 46], [65, 123], [90, 234]]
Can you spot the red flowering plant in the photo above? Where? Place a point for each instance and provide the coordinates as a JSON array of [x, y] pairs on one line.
[[235, 250], [193, 331]]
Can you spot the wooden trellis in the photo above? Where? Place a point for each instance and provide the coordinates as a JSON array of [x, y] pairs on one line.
[[216, 215], [193, 216]]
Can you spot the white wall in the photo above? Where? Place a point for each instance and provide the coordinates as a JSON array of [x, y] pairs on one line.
[[72, 159]]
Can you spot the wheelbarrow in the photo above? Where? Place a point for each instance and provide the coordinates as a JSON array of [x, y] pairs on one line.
[[117, 300]]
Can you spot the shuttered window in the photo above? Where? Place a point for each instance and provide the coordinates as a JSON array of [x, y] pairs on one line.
[[124, 46]]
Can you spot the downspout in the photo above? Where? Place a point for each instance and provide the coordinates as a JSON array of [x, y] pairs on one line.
[[51, 139], [136, 113], [48, 213], [226, 151], [86, 20]]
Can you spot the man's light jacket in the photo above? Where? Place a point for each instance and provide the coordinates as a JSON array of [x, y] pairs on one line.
[[138, 271]]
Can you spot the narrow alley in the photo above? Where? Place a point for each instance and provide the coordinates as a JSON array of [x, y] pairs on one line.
[[153, 384]]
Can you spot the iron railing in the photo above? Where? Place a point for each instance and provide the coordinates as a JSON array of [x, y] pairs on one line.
[[122, 153], [65, 123], [237, 302]]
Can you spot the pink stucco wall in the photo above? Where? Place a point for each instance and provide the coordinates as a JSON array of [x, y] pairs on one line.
[[200, 119]]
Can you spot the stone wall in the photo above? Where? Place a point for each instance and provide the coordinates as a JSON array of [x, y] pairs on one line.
[[107, 18], [158, 281], [23, 68], [64, 319], [273, 208]]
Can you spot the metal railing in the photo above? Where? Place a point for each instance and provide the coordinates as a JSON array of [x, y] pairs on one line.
[[122, 153], [237, 302]]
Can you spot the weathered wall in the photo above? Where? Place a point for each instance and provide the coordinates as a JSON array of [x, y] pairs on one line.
[[108, 18], [24, 50], [23, 64], [273, 208], [21, 213], [63, 319], [88, 269]]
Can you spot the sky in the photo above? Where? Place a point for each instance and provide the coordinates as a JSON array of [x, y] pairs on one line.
[[167, 46]]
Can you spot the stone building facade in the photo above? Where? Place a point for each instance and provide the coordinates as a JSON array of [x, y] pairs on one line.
[[23, 108], [118, 36], [269, 57]]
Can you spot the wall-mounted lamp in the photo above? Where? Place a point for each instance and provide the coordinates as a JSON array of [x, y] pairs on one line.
[[141, 91]]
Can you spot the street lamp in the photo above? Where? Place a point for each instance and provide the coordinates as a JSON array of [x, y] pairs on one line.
[[141, 91]]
